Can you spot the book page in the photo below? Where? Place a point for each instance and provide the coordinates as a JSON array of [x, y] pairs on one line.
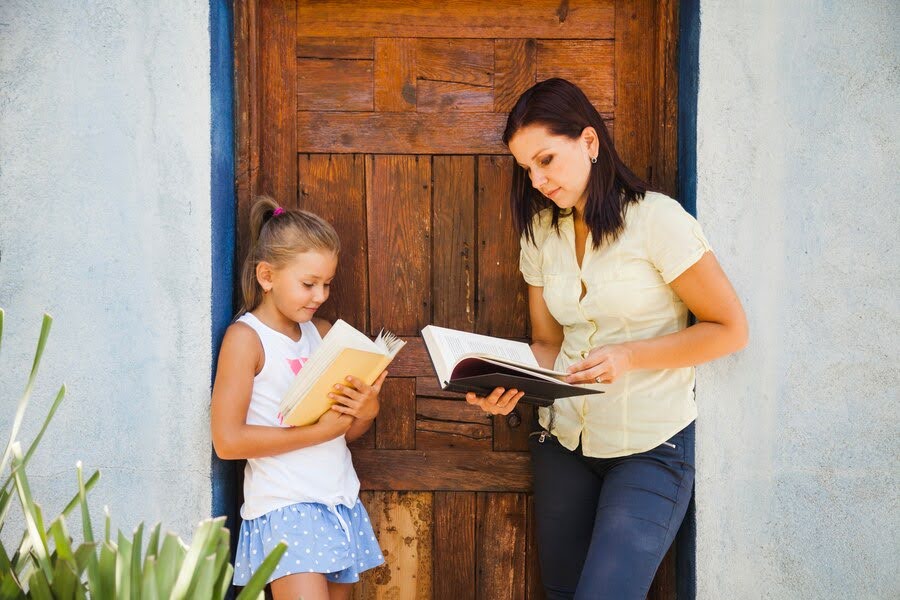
[[452, 345]]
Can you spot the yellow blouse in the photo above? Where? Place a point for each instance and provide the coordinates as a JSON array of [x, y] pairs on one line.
[[628, 298]]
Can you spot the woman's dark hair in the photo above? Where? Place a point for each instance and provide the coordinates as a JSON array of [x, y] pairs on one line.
[[564, 110]]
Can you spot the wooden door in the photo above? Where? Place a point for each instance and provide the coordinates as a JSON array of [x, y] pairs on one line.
[[385, 118]]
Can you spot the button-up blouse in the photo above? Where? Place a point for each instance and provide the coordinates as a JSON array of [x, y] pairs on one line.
[[627, 298]]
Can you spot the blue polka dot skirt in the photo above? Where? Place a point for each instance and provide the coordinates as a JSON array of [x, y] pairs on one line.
[[338, 542]]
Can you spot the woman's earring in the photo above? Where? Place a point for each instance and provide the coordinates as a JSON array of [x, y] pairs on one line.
[[594, 160]]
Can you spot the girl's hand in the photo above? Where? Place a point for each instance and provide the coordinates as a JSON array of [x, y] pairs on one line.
[[499, 402], [603, 364], [334, 424], [358, 399]]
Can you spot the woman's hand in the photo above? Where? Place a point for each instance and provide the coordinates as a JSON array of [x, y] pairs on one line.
[[358, 399], [603, 364], [499, 402]]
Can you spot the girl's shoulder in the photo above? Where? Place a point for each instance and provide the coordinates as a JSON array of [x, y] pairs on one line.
[[541, 226], [241, 342]]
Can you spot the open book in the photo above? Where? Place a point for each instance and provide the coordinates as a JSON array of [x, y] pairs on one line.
[[344, 351], [469, 362]]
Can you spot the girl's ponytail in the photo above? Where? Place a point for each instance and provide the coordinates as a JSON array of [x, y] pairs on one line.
[[276, 236]]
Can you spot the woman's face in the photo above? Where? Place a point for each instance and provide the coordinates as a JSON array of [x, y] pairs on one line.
[[559, 167]]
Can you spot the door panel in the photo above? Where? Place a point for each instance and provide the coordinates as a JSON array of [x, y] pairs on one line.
[[386, 119]]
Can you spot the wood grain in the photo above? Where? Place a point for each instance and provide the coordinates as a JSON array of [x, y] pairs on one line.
[[515, 70], [446, 470], [395, 75], [401, 133], [573, 19], [453, 255], [334, 187], [456, 60], [334, 84], [454, 545], [399, 230], [347, 48], [397, 417], [590, 64], [500, 543], [502, 307]]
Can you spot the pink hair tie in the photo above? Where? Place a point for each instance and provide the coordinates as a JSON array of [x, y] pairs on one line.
[[278, 211]]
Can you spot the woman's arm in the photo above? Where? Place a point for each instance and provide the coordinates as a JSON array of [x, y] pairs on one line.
[[721, 329], [240, 358], [546, 333]]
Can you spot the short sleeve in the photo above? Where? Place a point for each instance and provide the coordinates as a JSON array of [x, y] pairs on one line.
[[675, 240], [530, 262]]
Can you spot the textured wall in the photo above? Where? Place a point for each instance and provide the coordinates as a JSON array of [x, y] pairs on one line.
[[798, 476], [105, 204]]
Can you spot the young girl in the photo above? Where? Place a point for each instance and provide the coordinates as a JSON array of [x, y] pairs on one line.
[[299, 483]]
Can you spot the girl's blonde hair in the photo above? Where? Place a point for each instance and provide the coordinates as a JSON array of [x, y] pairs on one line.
[[278, 235]]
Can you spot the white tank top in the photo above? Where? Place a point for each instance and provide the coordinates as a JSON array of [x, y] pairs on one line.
[[323, 473]]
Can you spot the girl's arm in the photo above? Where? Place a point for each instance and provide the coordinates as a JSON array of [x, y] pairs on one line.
[[721, 329], [240, 359]]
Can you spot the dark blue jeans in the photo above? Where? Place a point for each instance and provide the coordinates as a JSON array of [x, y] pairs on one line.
[[604, 524]]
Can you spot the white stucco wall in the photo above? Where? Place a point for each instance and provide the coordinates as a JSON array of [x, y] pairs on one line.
[[798, 179], [105, 223]]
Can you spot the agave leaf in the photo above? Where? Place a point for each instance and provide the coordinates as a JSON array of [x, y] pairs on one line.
[[171, 556], [39, 587], [149, 587], [9, 586], [23, 401], [37, 535], [124, 551], [37, 439], [61, 540], [205, 579], [83, 555], [224, 582], [153, 542], [86, 528], [76, 499], [135, 569], [65, 581], [5, 564], [257, 582], [195, 554], [107, 573], [5, 501]]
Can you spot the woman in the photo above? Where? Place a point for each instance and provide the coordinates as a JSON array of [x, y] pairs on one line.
[[612, 270]]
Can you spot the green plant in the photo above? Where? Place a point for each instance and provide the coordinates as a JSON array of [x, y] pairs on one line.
[[47, 565]]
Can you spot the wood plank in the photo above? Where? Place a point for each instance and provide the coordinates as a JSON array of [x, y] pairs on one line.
[[397, 417], [454, 545], [277, 97], [500, 544], [451, 424], [515, 70], [334, 187], [246, 109], [413, 360], [590, 64], [438, 96], [401, 133], [665, 584], [572, 19], [428, 386], [636, 81], [456, 60], [395, 74], [403, 525], [453, 255], [666, 171], [511, 434], [332, 84], [447, 470], [534, 588], [501, 307], [399, 230], [451, 410], [347, 48]]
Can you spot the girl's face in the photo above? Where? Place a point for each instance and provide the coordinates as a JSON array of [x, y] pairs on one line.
[[559, 167], [300, 287]]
